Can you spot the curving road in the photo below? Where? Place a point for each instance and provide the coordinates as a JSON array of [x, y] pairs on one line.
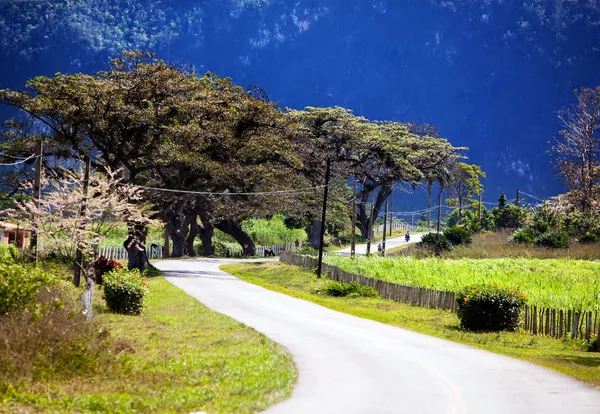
[[352, 365], [389, 244]]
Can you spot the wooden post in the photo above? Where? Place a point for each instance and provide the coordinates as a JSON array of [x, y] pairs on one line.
[[79, 254], [37, 195], [370, 226], [479, 210], [323, 217], [439, 216], [392, 212], [353, 209], [384, 229]]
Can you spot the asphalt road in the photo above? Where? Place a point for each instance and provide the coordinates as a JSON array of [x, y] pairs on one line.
[[389, 244], [352, 365]]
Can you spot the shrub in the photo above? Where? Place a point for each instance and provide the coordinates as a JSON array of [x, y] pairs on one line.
[[525, 235], [436, 242], [52, 339], [458, 236], [102, 266], [9, 253], [509, 217], [556, 240], [19, 286], [347, 239], [125, 291], [489, 308], [350, 290], [589, 237]]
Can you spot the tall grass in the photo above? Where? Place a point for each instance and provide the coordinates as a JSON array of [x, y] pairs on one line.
[[273, 231], [554, 283]]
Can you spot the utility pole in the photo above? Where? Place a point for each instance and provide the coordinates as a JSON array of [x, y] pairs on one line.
[[353, 210], [439, 218], [392, 213], [370, 227], [384, 229], [517, 198], [37, 195], [320, 265], [79, 254], [479, 211]]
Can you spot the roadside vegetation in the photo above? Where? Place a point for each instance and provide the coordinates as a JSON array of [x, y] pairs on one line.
[[177, 356], [567, 356], [557, 283]]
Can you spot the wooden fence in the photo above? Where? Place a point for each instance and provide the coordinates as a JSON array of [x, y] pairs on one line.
[[557, 323], [119, 252], [427, 298]]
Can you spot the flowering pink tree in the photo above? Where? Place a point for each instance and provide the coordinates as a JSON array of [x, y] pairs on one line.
[[68, 218]]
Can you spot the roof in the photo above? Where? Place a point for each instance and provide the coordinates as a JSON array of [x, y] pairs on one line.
[[9, 226]]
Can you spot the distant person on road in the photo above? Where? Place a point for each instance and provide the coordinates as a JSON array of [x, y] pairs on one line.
[[407, 236]]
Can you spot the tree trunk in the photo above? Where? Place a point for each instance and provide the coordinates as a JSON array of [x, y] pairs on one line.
[[194, 230], [177, 228], [364, 215], [234, 229], [314, 234], [136, 247], [136, 252], [206, 234]]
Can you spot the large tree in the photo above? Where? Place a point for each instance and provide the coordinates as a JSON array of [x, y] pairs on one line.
[[577, 150]]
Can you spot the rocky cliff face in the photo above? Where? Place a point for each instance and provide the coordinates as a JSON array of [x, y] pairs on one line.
[[489, 73]]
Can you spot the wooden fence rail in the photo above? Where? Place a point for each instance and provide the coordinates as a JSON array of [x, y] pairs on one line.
[[556, 323]]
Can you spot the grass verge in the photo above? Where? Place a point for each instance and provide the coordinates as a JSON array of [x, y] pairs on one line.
[[566, 356], [176, 357]]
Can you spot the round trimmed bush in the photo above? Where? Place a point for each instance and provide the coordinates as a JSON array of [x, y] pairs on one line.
[[489, 308], [125, 291]]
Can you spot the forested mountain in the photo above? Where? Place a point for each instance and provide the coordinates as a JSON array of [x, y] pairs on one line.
[[489, 74]]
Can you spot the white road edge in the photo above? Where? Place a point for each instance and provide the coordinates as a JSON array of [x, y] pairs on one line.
[[352, 365]]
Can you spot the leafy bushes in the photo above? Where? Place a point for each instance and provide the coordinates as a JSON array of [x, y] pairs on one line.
[[125, 291], [555, 240], [102, 266], [525, 235], [509, 217], [9, 253], [457, 236], [489, 308], [350, 290], [436, 242], [589, 237], [19, 286]]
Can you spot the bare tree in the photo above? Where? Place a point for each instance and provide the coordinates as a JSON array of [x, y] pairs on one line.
[[577, 150]]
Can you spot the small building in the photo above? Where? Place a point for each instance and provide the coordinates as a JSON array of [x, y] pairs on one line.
[[14, 234]]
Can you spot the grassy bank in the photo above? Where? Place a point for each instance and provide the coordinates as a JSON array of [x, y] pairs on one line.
[[566, 356], [176, 357], [555, 283]]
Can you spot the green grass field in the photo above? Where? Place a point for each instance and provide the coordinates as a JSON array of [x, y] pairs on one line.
[[554, 283], [177, 357], [563, 355]]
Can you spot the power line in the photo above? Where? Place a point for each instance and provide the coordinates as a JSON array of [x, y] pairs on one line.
[[281, 192], [18, 162]]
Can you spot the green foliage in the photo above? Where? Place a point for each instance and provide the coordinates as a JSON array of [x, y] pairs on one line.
[[350, 290], [489, 308], [9, 253], [436, 242], [589, 237], [125, 291], [526, 235], [554, 240], [552, 283], [347, 238], [545, 220], [102, 265], [457, 236], [509, 217], [502, 200], [267, 232], [19, 286]]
